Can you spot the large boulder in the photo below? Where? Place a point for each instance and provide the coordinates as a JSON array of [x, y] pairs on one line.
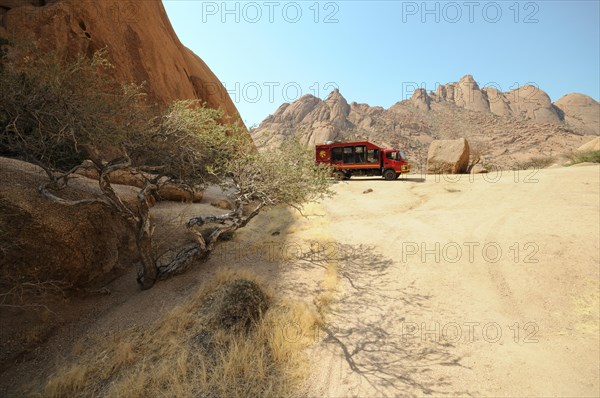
[[40, 240], [593, 145], [168, 191], [142, 44], [580, 112], [530, 102], [448, 157]]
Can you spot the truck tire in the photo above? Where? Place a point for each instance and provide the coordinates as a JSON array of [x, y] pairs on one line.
[[339, 175], [389, 175]]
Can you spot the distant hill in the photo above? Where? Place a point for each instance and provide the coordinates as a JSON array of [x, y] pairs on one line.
[[502, 127]]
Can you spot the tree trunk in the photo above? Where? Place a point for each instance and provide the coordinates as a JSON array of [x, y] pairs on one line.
[[148, 272], [200, 251]]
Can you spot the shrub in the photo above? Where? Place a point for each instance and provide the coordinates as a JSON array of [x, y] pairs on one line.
[[536, 163], [581, 157]]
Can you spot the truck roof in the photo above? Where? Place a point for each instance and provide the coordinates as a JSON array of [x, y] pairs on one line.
[[351, 143]]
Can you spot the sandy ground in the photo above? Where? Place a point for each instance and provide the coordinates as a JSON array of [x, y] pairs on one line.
[[483, 286], [470, 287]]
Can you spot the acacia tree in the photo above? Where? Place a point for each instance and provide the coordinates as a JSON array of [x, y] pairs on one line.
[[284, 176], [57, 114]]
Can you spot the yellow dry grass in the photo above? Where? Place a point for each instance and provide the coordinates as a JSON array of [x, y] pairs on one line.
[[329, 286], [182, 356]]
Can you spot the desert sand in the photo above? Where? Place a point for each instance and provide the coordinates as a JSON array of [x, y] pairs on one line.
[[486, 285], [506, 304]]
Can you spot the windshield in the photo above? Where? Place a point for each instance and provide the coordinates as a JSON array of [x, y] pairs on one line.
[[396, 155]]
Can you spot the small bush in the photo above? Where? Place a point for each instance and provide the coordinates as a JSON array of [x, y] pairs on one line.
[[238, 305], [536, 163], [584, 157], [185, 354]]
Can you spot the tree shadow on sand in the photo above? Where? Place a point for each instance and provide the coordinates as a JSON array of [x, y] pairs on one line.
[[365, 322]]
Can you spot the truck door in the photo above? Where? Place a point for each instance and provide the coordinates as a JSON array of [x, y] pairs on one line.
[[389, 160]]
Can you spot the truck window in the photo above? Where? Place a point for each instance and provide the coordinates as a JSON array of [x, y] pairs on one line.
[[336, 154], [348, 154], [373, 156], [392, 155], [359, 154]]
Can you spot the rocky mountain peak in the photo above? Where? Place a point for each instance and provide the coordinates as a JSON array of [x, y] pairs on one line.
[[420, 99], [523, 119]]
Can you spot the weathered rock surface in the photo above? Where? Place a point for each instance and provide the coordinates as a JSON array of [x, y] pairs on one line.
[[478, 169], [421, 100], [138, 34], [168, 191], [526, 102], [593, 145], [468, 95], [178, 193], [41, 240], [580, 112], [448, 157], [529, 102]]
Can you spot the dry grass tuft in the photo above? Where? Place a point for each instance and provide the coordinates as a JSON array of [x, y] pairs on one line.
[[210, 346]]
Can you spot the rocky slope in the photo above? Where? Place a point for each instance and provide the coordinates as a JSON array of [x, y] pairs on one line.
[[504, 128], [141, 41]]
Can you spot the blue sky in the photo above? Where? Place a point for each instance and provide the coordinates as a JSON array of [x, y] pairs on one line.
[[377, 52]]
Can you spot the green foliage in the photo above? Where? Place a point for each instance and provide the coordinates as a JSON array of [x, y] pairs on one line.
[[189, 143], [57, 113], [285, 175], [51, 110], [536, 163], [581, 157]]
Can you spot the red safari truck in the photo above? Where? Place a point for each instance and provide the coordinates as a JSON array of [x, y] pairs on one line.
[[362, 158]]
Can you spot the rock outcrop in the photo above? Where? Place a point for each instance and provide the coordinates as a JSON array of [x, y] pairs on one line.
[[580, 112], [141, 42], [318, 120], [43, 241], [529, 102], [478, 169], [448, 157], [168, 190], [593, 145], [468, 95], [526, 102], [421, 100]]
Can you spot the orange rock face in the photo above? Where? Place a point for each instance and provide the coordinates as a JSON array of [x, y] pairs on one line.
[[141, 41]]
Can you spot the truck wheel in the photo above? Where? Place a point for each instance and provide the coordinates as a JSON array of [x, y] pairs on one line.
[[339, 175], [389, 174]]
